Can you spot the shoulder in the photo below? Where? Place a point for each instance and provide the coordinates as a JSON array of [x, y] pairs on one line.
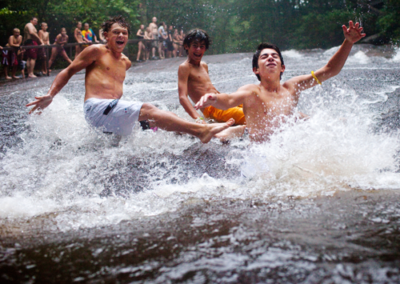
[[184, 67], [126, 60], [253, 88]]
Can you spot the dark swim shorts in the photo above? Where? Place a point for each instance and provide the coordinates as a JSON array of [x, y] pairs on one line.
[[31, 52]]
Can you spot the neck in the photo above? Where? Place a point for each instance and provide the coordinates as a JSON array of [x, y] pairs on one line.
[[116, 54], [194, 62], [271, 84]]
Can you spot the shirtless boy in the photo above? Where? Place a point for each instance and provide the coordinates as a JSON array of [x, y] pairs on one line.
[[14, 41], [61, 39], [79, 38], [44, 36], [194, 81], [105, 74], [32, 38], [270, 103]]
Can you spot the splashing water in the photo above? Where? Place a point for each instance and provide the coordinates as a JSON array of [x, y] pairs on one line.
[[59, 175]]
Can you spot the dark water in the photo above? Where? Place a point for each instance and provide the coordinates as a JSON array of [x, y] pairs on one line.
[[321, 205]]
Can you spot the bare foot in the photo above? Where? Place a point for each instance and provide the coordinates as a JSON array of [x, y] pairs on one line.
[[211, 129], [32, 76], [230, 133], [14, 77], [8, 78]]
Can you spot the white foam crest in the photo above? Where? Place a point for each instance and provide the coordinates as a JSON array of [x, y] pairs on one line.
[[292, 54], [359, 58], [396, 57]]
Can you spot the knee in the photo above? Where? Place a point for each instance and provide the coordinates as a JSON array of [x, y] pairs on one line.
[[147, 111]]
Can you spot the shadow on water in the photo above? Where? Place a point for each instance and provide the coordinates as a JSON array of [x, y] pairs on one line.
[[163, 208]]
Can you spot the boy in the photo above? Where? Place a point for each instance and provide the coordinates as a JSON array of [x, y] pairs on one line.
[[14, 41], [44, 36], [268, 104], [193, 80], [105, 74]]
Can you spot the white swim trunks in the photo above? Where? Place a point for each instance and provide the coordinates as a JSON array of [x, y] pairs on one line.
[[112, 116]]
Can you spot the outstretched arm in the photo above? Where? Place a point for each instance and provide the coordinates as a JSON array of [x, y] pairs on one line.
[[225, 101], [183, 76], [335, 64], [83, 60]]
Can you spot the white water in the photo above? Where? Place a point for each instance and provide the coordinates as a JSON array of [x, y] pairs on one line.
[[63, 166]]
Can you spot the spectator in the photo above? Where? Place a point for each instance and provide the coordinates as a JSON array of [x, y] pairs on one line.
[[154, 30], [163, 36], [141, 46], [61, 39], [21, 62], [5, 62], [79, 38], [89, 34], [44, 36], [149, 36], [176, 39], [170, 46], [31, 38], [181, 38], [14, 41], [101, 36]]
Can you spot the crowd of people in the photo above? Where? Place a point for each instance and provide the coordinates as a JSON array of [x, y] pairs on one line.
[[19, 59], [155, 42], [166, 41]]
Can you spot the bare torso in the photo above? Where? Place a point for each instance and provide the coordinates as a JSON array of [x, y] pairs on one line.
[[265, 110], [61, 39], [27, 33], [105, 76], [78, 35], [44, 36], [154, 30], [199, 82], [16, 40]]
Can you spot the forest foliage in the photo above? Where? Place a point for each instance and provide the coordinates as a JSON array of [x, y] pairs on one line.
[[234, 25]]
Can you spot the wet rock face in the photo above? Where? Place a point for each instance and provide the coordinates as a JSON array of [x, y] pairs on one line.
[[161, 207]]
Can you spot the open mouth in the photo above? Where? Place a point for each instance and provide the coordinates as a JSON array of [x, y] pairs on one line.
[[120, 42]]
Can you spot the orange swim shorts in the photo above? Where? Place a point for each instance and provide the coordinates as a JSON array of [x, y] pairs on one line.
[[224, 115]]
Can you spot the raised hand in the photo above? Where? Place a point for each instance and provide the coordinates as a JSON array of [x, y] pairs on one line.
[[353, 33], [40, 103], [206, 100]]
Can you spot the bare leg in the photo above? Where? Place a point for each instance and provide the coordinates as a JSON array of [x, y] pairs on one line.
[[54, 52], [6, 73], [44, 65], [31, 67], [77, 50], [171, 122], [231, 132], [65, 56], [14, 70], [139, 50]]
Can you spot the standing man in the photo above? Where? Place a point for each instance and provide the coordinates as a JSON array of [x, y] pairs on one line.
[[163, 35], [89, 34], [79, 38], [154, 30], [31, 38], [44, 36], [105, 74], [14, 41]]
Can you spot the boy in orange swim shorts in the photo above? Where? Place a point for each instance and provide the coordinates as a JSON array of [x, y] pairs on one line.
[[194, 81]]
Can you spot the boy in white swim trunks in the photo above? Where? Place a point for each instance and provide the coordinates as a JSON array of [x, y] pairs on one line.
[[105, 73], [267, 105]]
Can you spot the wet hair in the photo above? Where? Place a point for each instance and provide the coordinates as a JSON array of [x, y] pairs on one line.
[[197, 35], [257, 54], [106, 26]]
